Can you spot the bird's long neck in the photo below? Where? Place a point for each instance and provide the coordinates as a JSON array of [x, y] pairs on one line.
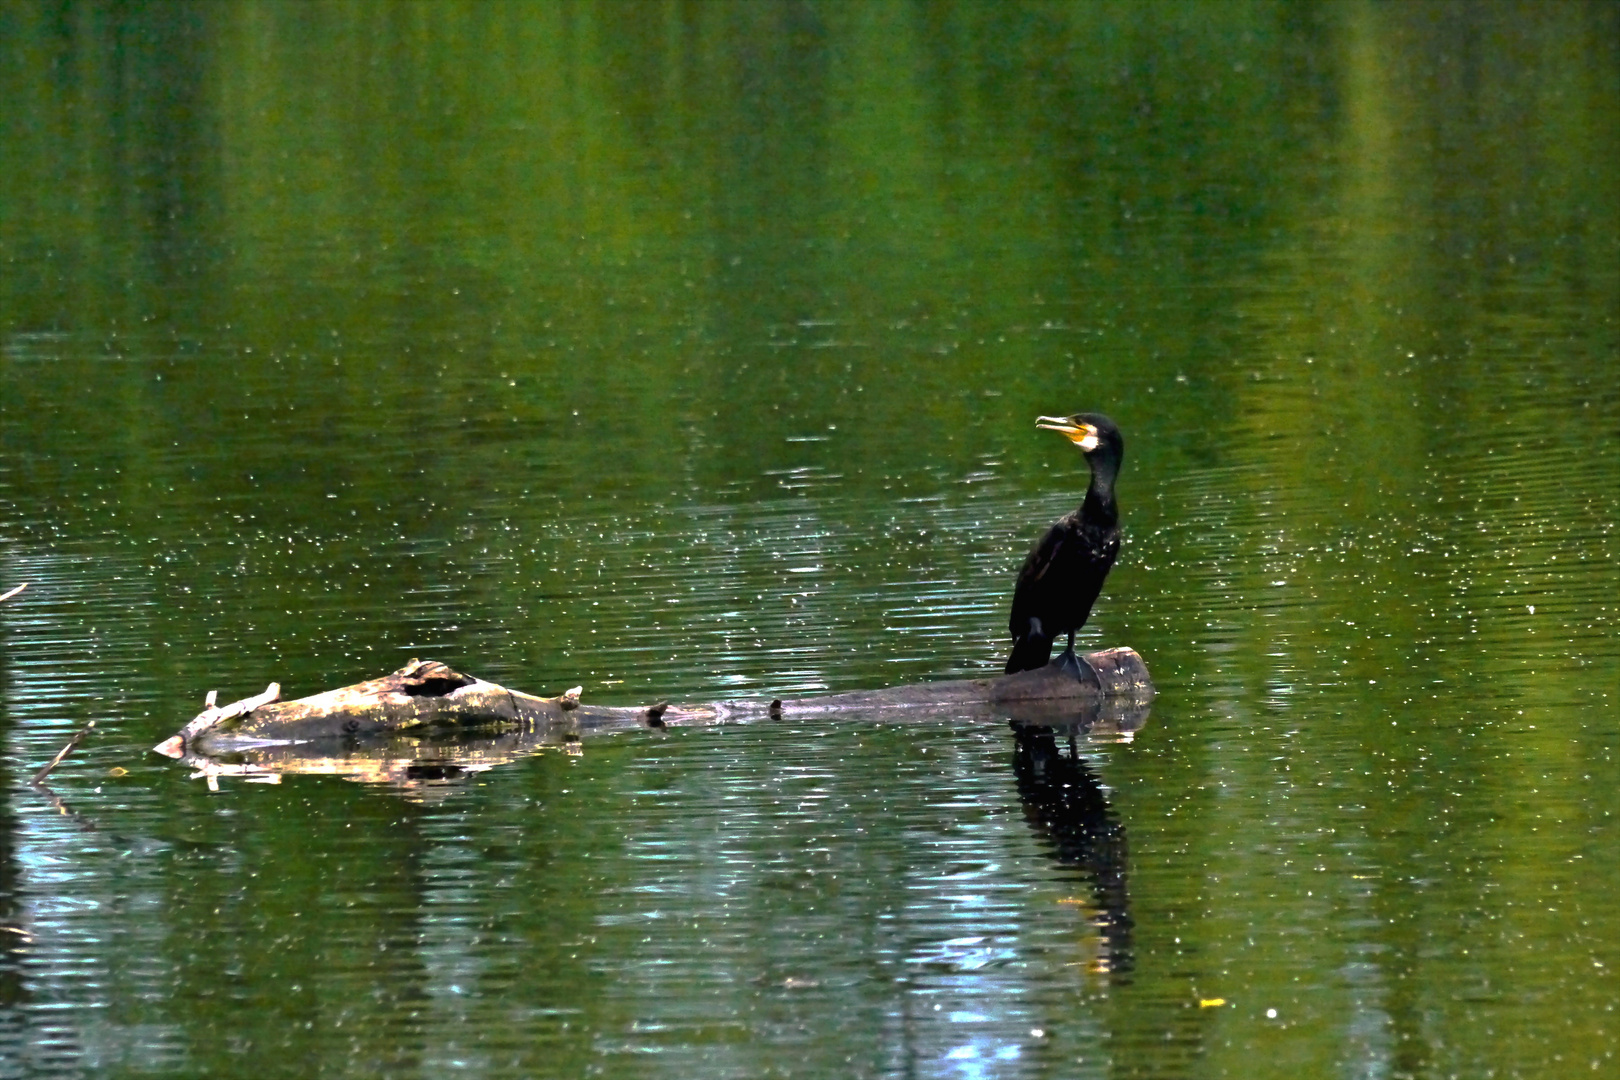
[[1099, 507]]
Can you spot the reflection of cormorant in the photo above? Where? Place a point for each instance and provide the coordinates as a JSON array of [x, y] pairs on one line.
[[1064, 800], [1065, 571]]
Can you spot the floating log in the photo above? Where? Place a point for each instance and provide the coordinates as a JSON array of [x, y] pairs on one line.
[[428, 765], [426, 696]]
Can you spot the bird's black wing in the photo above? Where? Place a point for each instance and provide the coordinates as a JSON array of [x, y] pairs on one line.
[[1031, 621]]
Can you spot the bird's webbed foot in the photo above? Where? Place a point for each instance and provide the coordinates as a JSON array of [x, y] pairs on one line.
[[1070, 663]]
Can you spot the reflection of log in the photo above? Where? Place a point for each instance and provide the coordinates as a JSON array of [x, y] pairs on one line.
[[427, 696]]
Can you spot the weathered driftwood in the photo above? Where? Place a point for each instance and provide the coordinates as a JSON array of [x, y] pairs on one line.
[[426, 766], [211, 717], [427, 696]]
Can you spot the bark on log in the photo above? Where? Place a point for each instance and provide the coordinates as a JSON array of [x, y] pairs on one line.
[[427, 696], [426, 769], [429, 764]]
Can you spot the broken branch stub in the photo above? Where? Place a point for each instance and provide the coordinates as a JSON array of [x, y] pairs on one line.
[[211, 717]]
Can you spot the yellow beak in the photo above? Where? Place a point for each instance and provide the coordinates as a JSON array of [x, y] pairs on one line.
[[1082, 435]]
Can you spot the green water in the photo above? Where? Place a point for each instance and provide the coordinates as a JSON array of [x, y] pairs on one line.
[[692, 351]]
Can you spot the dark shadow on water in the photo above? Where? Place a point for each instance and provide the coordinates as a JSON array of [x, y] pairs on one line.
[[1066, 805]]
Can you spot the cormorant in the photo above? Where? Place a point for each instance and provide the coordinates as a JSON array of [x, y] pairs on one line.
[[1065, 570]]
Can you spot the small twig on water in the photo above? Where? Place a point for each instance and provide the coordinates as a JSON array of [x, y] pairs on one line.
[[39, 777], [14, 592]]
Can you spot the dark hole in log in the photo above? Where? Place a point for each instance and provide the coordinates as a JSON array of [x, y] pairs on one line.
[[432, 771], [432, 679], [434, 687]]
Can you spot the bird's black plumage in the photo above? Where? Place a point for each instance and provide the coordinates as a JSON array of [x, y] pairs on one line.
[[1065, 570]]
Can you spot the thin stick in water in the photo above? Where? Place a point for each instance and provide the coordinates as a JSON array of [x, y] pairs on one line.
[[14, 592], [39, 777]]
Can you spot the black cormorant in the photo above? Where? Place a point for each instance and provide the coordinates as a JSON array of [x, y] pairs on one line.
[[1065, 571]]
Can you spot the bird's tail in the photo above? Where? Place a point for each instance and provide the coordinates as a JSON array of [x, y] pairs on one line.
[[1032, 650]]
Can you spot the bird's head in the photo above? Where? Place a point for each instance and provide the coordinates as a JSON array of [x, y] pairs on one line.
[[1095, 434]]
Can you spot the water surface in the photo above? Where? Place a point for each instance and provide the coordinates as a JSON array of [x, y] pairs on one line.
[[692, 352]]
